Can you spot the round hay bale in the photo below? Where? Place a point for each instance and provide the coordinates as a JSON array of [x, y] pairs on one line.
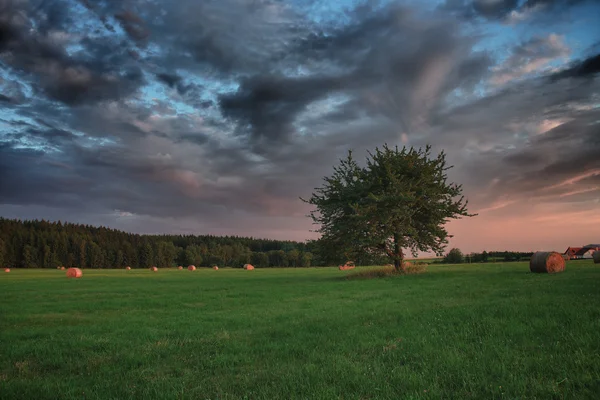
[[248, 267], [180, 267], [74, 273], [57, 267], [548, 262], [596, 256], [127, 268], [6, 269], [191, 267], [153, 269], [346, 266], [216, 268], [62, 268]]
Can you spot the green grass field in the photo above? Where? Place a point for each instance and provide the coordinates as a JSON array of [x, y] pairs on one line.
[[478, 331]]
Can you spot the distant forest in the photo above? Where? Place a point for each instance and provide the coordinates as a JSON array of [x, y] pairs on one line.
[[43, 244]]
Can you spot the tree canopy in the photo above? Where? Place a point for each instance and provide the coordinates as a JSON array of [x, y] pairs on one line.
[[454, 256], [400, 199]]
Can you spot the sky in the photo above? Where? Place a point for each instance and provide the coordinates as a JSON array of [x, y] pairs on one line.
[[215, 117]]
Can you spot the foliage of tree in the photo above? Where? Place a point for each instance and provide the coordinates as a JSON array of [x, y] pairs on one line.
[[454, 256], [400, 200], [193, 255], [306, 259], [2, 251], [260, 259]]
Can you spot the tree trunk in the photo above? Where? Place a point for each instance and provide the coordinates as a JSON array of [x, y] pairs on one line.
[[398, 255]]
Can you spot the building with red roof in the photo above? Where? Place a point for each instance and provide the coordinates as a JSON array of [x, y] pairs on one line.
[[576, 253]]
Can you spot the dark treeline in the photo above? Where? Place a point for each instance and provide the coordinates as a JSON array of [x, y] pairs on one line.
[[505, 256], [455, 256], [43, 244]]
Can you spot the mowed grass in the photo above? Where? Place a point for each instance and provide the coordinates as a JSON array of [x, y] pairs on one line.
[[473, 331]]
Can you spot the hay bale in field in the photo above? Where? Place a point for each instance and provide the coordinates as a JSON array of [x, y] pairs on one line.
[[62, 268], [547, 262], [74, 273], [153, 269], [596, 256], [346, 266], [191, 267], [180, 267], [248, 267], [215, 268], [6, 269], [127, 268], [57, 267]]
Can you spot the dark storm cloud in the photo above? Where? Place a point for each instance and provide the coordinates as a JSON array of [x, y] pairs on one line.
[[170, 80], [227, 36], [92, 75], [27, 175], [53, 136], [490, 9], [552, 3], [372, 62], [588, 67], [501, 9], [206, 103], [95, 8], [578, 141], [266, 105], [190, 91], [102, 178], [494, 9], [134, 25], [77, 85]]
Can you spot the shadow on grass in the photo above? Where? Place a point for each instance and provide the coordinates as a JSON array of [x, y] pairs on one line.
[[386, 272]]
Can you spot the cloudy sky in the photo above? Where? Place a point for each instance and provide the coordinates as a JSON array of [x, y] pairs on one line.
[[158, 116]]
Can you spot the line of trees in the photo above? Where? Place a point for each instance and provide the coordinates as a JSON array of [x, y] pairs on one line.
[[455, 256], [43, 244]]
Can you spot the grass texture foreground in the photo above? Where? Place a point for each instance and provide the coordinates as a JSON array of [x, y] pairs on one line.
[[473, 331]]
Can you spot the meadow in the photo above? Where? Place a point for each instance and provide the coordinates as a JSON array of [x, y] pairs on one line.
[[491, 331]]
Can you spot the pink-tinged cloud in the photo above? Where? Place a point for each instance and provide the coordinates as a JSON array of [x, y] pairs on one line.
[[575, 179], [530, 57]]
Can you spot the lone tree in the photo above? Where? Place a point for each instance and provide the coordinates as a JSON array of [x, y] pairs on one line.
[[399, 200], [454, 256]]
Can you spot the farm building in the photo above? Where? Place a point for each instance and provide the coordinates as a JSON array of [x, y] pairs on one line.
[[578, 253]]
